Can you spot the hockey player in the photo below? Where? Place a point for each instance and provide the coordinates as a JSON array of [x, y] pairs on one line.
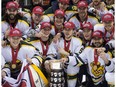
[[59, 19], [62, 5], [20, 57], [64, 47], [98, 61], [108, 22], [57, 28], [86, 39], [13, 20], [87, 33], [108, 29], [43, 39], [98, 8], [82, 16], [58, 23], [37, 17], [35, 20]]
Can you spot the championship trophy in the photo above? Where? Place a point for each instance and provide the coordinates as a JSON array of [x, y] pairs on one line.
[[57, 74]]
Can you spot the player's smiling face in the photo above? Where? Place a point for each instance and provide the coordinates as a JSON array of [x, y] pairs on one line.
[[108, 25], [12, 12], [59, 20], [68, 32], [46, 31], [97, 41], [14, 41], [82, 11], [36, 18], [87, 33]]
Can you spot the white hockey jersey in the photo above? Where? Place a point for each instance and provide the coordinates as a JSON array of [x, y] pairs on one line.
[[37, 44], [26, 69], [30, 51], [21, 25], [36, 27], [2, 61], [75, 47], [78, 24], [40, 45], [97, 72], [101, 11], [68, 15], [45, 18]]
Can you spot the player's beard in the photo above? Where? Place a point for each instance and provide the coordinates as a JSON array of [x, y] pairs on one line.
[[11, 17], [97, 44]]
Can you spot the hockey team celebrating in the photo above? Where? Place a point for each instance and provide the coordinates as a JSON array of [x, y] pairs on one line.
[[58, 43]]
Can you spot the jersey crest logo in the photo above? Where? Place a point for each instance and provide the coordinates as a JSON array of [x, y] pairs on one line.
[[97, 70]]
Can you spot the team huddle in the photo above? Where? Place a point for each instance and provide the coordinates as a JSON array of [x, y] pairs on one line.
[[69, 44]]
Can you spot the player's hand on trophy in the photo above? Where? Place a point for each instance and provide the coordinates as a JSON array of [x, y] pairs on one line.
[[62, 51], [64, 62], [47, 65], [29, 60]]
